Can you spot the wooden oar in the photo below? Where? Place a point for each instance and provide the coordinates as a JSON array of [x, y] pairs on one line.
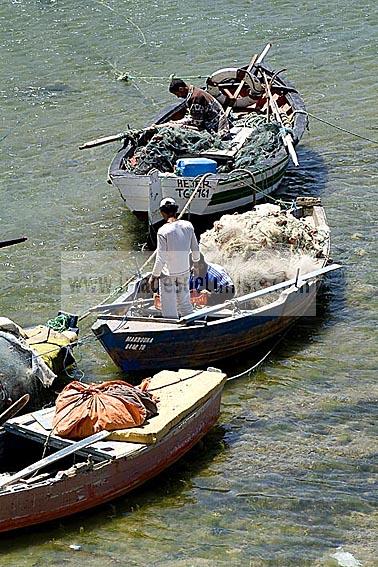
[[288, 283], [55, 457], [287, 138], [256, 59], [4, 243], [101, 141], [14, 408]]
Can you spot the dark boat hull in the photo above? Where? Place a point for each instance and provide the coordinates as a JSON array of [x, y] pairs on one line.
[[200, 345]]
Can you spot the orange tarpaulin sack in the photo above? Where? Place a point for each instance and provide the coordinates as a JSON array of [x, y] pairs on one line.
[[84, 409]]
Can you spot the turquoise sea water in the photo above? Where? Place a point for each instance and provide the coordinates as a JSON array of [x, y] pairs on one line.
[[289, 474]]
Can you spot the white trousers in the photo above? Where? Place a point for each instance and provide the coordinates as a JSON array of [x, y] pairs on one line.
[[175, 296]]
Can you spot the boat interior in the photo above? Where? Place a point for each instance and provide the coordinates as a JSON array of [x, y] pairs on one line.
[[252, 99], [181, 393], [141, 303]]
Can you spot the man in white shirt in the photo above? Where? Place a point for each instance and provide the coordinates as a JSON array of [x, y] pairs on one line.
[[175, 241]]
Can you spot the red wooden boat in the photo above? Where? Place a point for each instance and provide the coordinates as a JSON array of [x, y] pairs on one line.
[[189, 406]]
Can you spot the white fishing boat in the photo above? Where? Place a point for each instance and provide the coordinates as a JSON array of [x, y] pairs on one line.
[[261, 99]]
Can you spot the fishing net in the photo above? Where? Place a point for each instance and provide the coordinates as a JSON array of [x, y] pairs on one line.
[[264, 142], [160, 148], [166, 146], [263, 247]]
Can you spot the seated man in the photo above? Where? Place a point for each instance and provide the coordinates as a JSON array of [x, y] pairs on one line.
[[213, 279], [205, 112]]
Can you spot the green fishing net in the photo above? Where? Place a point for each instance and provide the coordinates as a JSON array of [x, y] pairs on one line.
[[166, 146], [263, 143], [161, 148]]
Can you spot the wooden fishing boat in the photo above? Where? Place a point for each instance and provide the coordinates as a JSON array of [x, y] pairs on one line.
[[138, 340], [260, 91], [106, 465]]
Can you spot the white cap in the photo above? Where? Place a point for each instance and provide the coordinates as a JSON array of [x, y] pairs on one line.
[[167, 201]]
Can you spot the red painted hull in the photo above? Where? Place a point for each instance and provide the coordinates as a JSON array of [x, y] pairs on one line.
[[106, 481]]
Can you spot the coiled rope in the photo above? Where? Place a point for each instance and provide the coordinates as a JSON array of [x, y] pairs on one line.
[[59, 323]]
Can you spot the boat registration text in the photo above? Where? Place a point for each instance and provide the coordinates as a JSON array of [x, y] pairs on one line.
[[137, 343], [184, 188]]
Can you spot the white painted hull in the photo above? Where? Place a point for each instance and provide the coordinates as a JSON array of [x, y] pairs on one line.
[[218, 194]]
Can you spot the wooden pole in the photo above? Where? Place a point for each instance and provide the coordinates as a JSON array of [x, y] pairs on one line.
[[287, 138], [73, 448], [14, 408], [4, 243], [102, 141], [310, 275], [256, 59]]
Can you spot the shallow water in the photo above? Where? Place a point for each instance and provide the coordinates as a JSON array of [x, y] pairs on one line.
[[288, 474]]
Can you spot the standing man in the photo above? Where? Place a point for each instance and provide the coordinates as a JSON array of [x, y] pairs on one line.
[[175, 241], [205, 112]]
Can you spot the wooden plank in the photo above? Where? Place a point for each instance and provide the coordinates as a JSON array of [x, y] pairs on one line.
[[37, 427], [286, 108], [288, 283], [256, 60], [287, 138], [235, 145], [126, 318], [105, 140], [4, 243], [115, 306], [45, 418], [180, 393], [14, 408], [40, 436]]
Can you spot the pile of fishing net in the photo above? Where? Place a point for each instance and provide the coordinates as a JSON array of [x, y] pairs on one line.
[[166, 146], [264, 141], [21, 372], [160, 148], [263, 247]]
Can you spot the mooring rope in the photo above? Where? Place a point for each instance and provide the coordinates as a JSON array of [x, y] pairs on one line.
[[306, 113], [122, 15], [256, 366]]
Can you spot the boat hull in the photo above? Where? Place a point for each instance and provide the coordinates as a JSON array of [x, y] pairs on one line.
[[108, 480], [144, 349], [219, 194]]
